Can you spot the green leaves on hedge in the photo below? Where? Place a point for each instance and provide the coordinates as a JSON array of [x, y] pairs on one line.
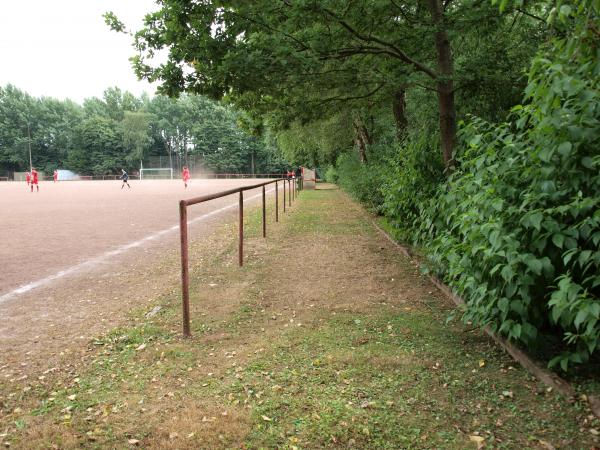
[[516, 229]]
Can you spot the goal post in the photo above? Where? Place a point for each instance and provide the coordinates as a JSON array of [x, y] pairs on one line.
[[164, 173]]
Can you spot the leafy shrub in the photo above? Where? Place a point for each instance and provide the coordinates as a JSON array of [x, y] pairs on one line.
[[415, 174], [362, 181], [331, 175], [516, 231]]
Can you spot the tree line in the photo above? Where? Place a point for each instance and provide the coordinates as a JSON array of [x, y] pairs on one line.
[[119, 130], [472, 126]]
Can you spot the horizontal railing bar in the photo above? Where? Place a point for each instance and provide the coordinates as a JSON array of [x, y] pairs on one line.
[[205, 198]]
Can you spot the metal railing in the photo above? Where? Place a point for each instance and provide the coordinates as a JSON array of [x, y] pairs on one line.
[[294, 185]]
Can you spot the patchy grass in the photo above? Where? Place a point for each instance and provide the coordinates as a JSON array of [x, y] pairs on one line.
[[326, 338], [584, 377]]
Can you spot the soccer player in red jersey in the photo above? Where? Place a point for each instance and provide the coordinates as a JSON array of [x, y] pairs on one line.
[[55, 176], [185, 174], [27, 178], [34, 180]]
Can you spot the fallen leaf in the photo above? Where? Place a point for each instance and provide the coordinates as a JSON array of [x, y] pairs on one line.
[[267, 419], [478, 440], [481, 363], [133, 441], [547, 445], [141, 347]]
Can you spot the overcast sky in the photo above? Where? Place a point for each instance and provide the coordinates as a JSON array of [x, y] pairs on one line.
[[63, 48]]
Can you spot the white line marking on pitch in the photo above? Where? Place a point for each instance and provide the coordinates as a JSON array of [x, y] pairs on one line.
[[90, 263]]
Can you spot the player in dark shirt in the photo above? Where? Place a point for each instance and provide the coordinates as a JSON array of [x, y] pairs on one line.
[[124, 177]]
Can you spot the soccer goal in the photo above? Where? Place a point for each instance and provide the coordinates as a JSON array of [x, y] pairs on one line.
[[165, 173]]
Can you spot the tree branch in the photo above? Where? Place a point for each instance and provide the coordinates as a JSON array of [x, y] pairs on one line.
[[390, 48], [357, 97], [522, 11]]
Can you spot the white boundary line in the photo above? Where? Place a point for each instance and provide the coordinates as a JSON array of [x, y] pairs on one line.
[[90, 263]]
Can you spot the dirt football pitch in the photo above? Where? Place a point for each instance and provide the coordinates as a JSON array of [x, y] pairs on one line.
[[77, 254]]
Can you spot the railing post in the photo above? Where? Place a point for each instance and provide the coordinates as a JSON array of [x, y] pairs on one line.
[[241, 230], [185, 276], [284, 195], [289, 193], [277, 201], [264, 204]]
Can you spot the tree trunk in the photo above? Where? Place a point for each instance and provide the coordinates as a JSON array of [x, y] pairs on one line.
[[185, 150], [170, 152], [444, 84], [399, 108], [362, 138]]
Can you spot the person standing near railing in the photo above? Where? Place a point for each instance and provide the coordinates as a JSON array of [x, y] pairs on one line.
[[185, 175]]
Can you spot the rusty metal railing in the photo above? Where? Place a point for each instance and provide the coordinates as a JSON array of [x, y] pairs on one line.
[[294, 184]]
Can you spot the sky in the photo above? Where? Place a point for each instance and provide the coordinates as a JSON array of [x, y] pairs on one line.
[[63, 48]]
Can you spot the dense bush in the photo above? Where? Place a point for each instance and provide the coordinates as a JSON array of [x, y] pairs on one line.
[[331, 175], [516, 231], [413, 178], [362, 181]]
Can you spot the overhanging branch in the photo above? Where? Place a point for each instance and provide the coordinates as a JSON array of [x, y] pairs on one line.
[[392, 49]]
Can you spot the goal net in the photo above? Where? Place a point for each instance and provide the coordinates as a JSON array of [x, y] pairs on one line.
[[165, 173]]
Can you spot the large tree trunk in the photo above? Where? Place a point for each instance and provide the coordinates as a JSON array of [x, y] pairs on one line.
[[399, 108], [361, 137], [444, 84]]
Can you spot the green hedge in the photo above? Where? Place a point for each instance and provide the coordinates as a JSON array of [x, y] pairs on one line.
[[412, 180], [516, 231]]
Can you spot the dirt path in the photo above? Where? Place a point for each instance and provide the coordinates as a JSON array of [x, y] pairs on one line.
[[327, 338]]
